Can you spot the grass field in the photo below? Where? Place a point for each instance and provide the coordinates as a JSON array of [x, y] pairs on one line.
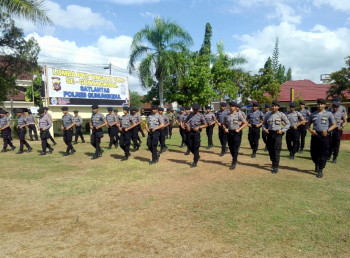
[[73, 206]]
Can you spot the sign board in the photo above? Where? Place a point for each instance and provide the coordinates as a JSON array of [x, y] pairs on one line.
[[67, 87]]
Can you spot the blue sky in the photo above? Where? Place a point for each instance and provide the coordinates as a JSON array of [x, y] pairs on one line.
[[314, 35]]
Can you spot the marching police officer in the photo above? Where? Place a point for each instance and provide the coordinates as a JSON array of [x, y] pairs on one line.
[[171, 118], [181, 117], [323, 123], [78, 123], [135, 131], [302, 127], [118, 117], [186, 133], [5, 128], [220, 118], [125, 126], [113, 129], [96, 123], [21, 126], [233, 124], [292, 137], [67, 127], [163, 130], [255, 118], [44, 127], [31, 126], [263, 134], [46, 109], [154, 123], [272, 126], [194, 123], [210, 118], [340, 120], [139, 127], [341, 107]]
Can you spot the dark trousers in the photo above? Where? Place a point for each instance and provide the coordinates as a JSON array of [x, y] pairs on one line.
[[22, 139], [223, 138], [234, 142], [183, 136], [253, 137], [170, 129], [6, 135], [162, 137], [113, 135], [152, 143], [209, 131], [32, 129], [78, 133], [335, 142], [67, 138], [264, 137], [44, 135], [50, 137], [194, 141], [274, 146], [292, 139], [302, 134], [319, 149], [140, 130], [124, 141], [135, 136], [96, 139]]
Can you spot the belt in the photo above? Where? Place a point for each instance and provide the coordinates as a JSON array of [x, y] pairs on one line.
[[273, 131]]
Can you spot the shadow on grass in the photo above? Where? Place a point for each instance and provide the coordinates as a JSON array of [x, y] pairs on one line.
[[177, 151], [142, 159], [89, 154], [180, 161], [215, 162], [116, 156]]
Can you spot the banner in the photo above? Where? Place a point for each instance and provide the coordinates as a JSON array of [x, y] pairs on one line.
[[76, 88]]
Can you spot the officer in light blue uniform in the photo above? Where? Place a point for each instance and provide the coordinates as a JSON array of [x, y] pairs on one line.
[[78, 123], [5, 129], [210, 118], [154, 123], [255, 118], [164, 130], [96, 123], [44, 126], [220, 118], [22, 124], [263, 134], [67, 128], [125, 127], [302, 127], [292, 137], [112, 125]]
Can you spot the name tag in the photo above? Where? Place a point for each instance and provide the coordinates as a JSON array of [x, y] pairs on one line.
[[277, 122]]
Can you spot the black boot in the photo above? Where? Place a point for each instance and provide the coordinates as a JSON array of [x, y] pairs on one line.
[[51, 150], [83, 141], [187, 152], [3, 150], [194, 164], [19, 152], [100, 153], [334, 160], [42, 153], [274, 170], [95, 156], [13, 147], [29, 149], [253, 154], [73, 150], [66, 154], [319, 174], [75, 142], [233, 165]]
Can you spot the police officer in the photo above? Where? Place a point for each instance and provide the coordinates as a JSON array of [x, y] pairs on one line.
[[210, 118], [125, 127], [171, 118], [255, 118], [272, 126], [341, 107], [135, 131], [46, 109], [292, 137], [31, 126], [139, 127], [44, 127], [263, 134], [186, 132], [67, 128], [78, 123], [154, 123], [112, 125], [21, 127], [220, 118], [97, 122], [238, 110], [302, 127], [163, 131], [180, 117], [5, 128], [118, 117], [194, 123], [323, 123], [336, 134]]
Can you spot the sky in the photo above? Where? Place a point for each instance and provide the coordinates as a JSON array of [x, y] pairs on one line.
[[314, 35]]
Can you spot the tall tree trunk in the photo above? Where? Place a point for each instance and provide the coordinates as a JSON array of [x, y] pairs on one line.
[[161, 92]]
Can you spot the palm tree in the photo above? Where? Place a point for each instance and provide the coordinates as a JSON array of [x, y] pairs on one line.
[[157, 45], [32, 10]]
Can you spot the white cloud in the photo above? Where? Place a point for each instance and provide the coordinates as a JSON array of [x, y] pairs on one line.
[[149, 14], [338, 5], [286, 13], [130, 2]]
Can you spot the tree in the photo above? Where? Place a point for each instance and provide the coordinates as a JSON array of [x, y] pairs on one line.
[[156, 45], [35, 91], [340, 81], [275, 57], [32, 10], [289, 74], [206, 46], [135, 99]]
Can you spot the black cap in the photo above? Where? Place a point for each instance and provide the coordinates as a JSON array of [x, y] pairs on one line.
[[301, 102], [154, 107], [233, 103], [188, 108], [223, 104], [76, 111], [239, 105], [335, 103], [115, 110], [94, 106], [45, 108], [2, 111], [255, 104], [169, 109], [41, 111], [64, 108], [321, 101], [276, 103], [182, 108], [196, 106], [126, 108], [160, 109], [208, 107], [29, 111], [292, 104], [267, 105], [110, 109], [19, 111], [336, 98], [134, 109]]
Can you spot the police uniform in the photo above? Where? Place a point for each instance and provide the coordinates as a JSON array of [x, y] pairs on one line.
[[341, 108], [302, 128], [153, 121], [97, 119], [48, 133], [194, 121], [273, 123], [126, 121], [67, 121], [163, 132], [44, 127], [292, 136], [209, 118], [336, 134], [263, 133], [186, 133], [118, 117], [180, 118], [255, 119], [78, 123], [21, 126], [6, 133], [233, 122], [171, 118], [31, 126], [139, 127], [220, 117], [112, 122]]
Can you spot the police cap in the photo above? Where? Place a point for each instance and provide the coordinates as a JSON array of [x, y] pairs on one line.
[[292, 104], [160, 109], [154, 107], [276, 103], [45, 108], [335, 103], [76, 111], [19, 110], [239, 105], [110, 109], [255, 104], [126, 108], [188, 108], [134, 109], [321, 101], [336, 98], [41, 111], [64, 108], [208, 107], [232, 104], [182, 108], [223, 104], [115, 110], [302, 102], [267, 105], [94, 106], [196, 106], [2, 111]]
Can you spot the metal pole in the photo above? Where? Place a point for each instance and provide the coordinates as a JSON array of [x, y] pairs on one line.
[[110, 68]]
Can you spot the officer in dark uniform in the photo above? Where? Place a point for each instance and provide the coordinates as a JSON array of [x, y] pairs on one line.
[[125, 127], [302, 127], [5, 128], [186, 132], [179, 118], [194, 123], [323, 123], [67, 128], [112, 125], [32, 126], [154, 123], [44, 126], [96, 123], [21, 127], [135, 131], [255, 118], [263, 134], [220, 118], [171, 118], [341, 107], [292, 137], [78, 123], [272, 126], [336, 134], [163, 131], [210, 118], [46, 109]]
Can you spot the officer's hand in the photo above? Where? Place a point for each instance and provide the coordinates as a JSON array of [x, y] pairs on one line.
[[126, 129], [226, 130], [324, 133], [280, 132], [340, 128], [153, 130], [249, 125], [196, 129], [266, 131], [295, 127], [219, 124], [91, 127], [120, 129], [237, 130], [313, 132], [188, 129]]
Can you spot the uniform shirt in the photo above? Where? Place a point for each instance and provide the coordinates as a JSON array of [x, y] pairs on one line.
[[233, 121], [4, 121], [339, 118], [49, 115], [273, 121], [195, 120], [171, 117], [138, 117], [126, 121], [220, 115], [21, 121], [78, 120], [294, 118], [183, 117], [30, 119], [111, 119], [321, 120], [97, 119], [305, 113], [44, 122], [255, 117], [209, 117], [118, 117], [165, 119], [341, 109], [242, 114], [154, 120], [67, 120]]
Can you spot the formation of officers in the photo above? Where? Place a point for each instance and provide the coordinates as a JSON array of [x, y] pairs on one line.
[[325, 127]]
